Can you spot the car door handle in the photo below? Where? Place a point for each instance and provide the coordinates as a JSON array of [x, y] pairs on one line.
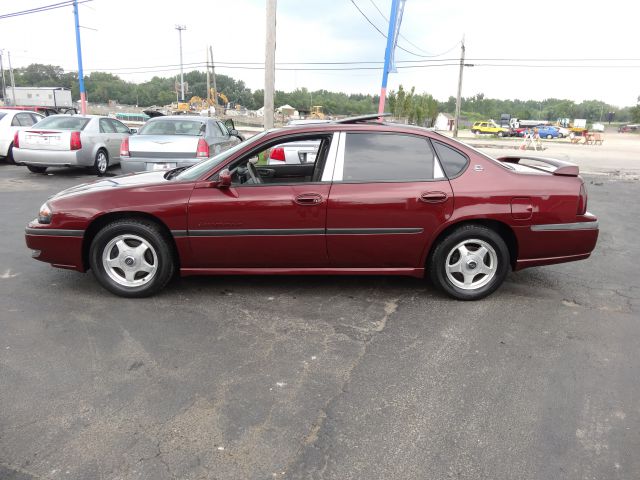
[[433, 197], [308, 199]]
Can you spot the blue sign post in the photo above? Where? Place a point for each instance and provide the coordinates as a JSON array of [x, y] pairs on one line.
[[83, 95], [395, 19]]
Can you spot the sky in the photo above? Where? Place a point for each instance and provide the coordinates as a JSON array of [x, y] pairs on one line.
[[136, 39]]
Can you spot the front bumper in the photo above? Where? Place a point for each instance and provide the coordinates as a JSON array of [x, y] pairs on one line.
[[61, 248], [132, 165], [4, 147], [52, 158]]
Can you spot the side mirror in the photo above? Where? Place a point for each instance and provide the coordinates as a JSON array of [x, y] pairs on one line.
[[133, 131], [229, 124], [224, 178]]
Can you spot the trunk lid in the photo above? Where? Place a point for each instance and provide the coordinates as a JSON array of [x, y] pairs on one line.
[[45, 139], [163, 146]]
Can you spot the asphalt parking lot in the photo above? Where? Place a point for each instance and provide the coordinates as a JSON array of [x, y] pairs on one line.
[[321, 377]]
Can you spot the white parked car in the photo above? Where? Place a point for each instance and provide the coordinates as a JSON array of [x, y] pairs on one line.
[[10, 122], [294, 153]]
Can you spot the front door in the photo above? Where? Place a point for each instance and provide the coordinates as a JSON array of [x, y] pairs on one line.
[[268, 218], [388, 198]]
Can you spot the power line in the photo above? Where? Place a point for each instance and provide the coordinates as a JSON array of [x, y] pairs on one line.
[[43, 8], [385, 36], [411, 43]]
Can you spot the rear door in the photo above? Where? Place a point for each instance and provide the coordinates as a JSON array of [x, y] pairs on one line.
[[121, 132], [388, 198], [108, 137]]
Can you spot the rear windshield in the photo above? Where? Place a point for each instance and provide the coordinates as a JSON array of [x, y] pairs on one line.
[[63, 122], [173, 127]]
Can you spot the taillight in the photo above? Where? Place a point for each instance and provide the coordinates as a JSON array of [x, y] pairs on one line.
[[16, 140], [277, 154], [203, 149], [124, 148], [582, 200], [75, 143]]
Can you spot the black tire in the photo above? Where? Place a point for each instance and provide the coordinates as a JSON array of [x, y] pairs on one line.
[[101, 163], [34, 169], [10, 159], [560, 135], [501, 134], [549, 137], [475, 132], [445, 252], [158, 254]]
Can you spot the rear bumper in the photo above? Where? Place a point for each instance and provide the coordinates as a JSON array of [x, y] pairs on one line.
[[52, 158], [556, 243], [132, 165], [60, 248]]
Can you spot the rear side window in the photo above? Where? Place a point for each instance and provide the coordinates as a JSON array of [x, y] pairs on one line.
[[387, 157], [453, 162], [64, 122], [106, 126], [2, 115]]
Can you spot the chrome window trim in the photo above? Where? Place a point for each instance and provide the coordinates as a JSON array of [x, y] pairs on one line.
[[552, 227]]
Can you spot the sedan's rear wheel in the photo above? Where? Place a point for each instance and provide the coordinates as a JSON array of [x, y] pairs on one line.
[[469, 263], [101, 163], [35, 169], [131, 258]]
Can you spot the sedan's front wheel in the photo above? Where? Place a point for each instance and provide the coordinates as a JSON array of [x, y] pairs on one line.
[[469, 263], [132, 258]]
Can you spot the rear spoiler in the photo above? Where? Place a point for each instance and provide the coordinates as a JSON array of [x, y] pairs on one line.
[[566, 169]]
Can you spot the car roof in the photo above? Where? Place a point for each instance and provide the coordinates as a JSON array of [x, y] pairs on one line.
[[10, 110], [195, 118]]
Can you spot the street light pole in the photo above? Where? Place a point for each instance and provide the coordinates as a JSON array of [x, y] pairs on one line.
[[180, 28], [4, 86]]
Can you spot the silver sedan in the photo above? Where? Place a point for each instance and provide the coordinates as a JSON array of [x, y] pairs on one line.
[[71, 141], [164, 143]]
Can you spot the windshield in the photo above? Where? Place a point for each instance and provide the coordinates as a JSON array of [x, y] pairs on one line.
[[195, 172], [173, 127], [63, 122]]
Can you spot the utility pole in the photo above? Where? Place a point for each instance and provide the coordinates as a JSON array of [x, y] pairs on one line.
[[270, 65], [13, 82], [459, 98], [4, 86], [213, 75], [180, 28]]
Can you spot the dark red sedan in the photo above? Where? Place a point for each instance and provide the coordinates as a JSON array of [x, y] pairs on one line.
[[379, 199]]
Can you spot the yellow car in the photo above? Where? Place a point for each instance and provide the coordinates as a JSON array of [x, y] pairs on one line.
[[491, 128]]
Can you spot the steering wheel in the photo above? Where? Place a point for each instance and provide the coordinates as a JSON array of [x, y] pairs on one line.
[[253, 172]]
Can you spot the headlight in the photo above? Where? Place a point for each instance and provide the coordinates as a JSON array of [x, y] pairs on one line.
[[44, 215]]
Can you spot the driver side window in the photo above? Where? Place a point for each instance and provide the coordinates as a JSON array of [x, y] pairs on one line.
[[289, 162]]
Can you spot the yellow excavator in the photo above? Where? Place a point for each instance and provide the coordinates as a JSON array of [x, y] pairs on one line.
[[316, 112]]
